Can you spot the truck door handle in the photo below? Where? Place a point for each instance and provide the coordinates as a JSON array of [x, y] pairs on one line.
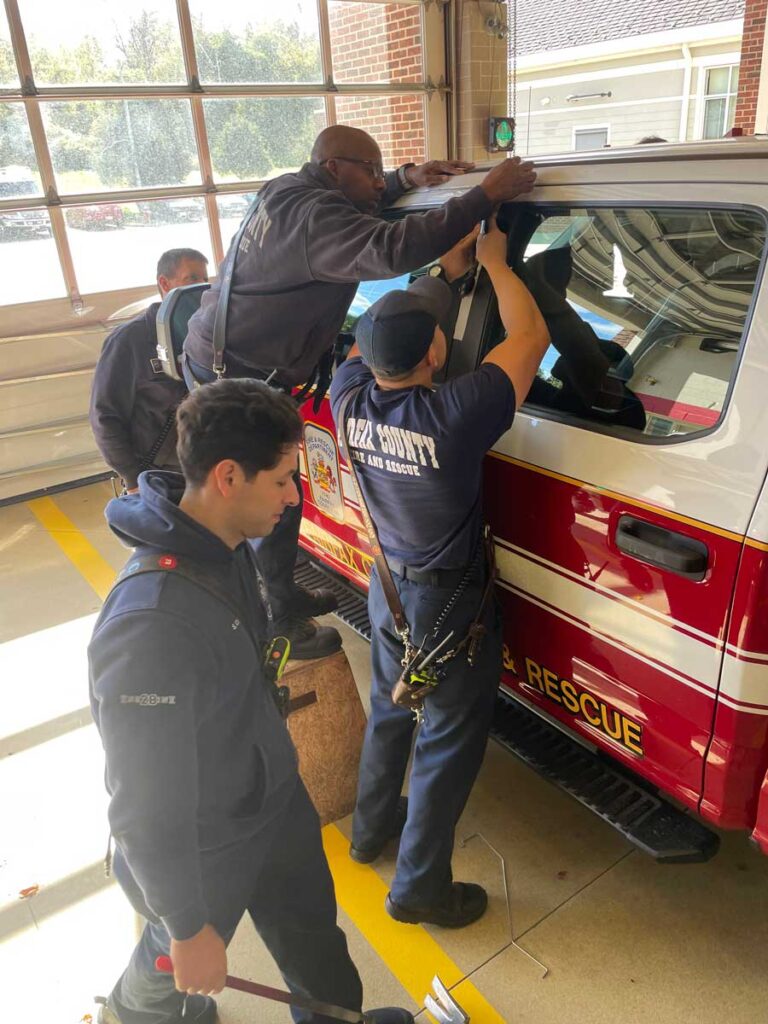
[[661, 547]]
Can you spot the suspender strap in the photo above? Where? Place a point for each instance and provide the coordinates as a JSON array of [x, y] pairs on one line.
[[477, 630], [387, 583], [222, 311], [222, 307]]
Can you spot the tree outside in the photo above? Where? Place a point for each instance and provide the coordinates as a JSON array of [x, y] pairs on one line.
[[150, 143]]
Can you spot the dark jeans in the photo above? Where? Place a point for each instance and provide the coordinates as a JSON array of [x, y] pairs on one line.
[[277, 552], [283, 881], [450, 743]]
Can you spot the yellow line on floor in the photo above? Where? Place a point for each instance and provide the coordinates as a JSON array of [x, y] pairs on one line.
[[92, 566], [409, 951]]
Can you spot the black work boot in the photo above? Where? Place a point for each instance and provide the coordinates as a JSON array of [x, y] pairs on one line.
[[308, 640], [388, 1015], [307, 603], [196, 1010], [367, 854], [463, 903]]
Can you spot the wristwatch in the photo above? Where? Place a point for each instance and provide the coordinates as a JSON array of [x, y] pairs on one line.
[[402, 177], [436, 270]]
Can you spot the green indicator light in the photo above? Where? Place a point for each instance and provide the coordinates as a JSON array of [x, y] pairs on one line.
[[504, 133], [501, 134]]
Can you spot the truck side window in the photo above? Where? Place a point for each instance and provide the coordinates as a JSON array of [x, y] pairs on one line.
[[646, 308]]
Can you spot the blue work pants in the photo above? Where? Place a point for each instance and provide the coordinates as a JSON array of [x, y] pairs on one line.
[[449, 744]]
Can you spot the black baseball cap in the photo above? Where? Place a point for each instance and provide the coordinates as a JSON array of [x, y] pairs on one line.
[[395, 333]]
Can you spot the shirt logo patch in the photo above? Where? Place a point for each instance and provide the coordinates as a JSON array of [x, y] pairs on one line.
[[167, 562], [157, 366], [147, 700]]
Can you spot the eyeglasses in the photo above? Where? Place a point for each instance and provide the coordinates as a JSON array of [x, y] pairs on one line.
[[374, 169]]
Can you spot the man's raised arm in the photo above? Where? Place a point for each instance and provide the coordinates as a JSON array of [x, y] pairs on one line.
[[527, 337], [346, 246]]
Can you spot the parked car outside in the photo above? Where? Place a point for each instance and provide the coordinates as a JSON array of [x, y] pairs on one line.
[[20, 224], [96, 218]]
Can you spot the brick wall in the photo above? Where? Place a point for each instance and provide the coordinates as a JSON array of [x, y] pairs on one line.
[[751, 63], [381, 43], [482, 83]]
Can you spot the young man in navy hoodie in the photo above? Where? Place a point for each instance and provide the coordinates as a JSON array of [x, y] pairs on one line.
[[208, 814]]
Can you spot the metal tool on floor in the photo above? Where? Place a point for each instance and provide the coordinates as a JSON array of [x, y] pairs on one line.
[[441, 1005], [481, 837]]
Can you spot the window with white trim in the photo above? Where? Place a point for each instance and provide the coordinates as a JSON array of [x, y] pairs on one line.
[[585, 139], [721, 86]]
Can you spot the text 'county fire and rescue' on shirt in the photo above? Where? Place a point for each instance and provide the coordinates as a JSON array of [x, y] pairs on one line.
[[419, 455]]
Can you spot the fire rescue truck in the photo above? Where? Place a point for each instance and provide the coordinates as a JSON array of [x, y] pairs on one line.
[[629, 506]]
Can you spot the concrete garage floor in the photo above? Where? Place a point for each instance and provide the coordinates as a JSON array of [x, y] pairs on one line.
[[626, 941]]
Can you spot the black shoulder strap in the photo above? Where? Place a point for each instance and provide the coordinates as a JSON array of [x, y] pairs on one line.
[[148, 460], [190, 570], [385, 574], [222, 308]]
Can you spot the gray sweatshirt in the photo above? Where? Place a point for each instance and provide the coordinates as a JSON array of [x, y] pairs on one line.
[[300, 261]]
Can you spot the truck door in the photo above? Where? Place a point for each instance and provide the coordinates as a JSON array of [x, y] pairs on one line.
[[621, 496]]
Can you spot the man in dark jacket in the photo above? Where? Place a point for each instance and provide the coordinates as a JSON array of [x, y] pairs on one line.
[[312, 238], [133, 402], [207, 811]]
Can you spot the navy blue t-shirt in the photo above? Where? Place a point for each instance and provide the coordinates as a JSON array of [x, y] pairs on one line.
[[419, 456]]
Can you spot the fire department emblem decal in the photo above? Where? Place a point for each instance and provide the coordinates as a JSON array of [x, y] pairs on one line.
[[323, 471]]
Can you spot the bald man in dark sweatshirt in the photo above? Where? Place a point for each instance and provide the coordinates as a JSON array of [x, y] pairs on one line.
[[313, 236]]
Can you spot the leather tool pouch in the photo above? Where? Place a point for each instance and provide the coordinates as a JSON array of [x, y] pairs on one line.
[[412, 687]]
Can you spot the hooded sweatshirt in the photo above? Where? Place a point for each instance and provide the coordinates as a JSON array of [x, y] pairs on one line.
[[197, 755], [303, 254]]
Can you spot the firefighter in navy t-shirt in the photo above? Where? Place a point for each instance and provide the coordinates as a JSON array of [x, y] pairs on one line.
[[419, 455]]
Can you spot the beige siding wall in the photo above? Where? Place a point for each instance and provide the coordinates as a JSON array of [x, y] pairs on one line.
[[639, 104], [645, 101]]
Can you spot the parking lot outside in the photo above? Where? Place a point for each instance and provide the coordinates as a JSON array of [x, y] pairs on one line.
[[110, 258]]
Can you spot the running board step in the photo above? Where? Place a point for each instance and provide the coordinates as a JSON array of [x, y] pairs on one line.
[[353, 605], [644, 818], [648, 821]]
